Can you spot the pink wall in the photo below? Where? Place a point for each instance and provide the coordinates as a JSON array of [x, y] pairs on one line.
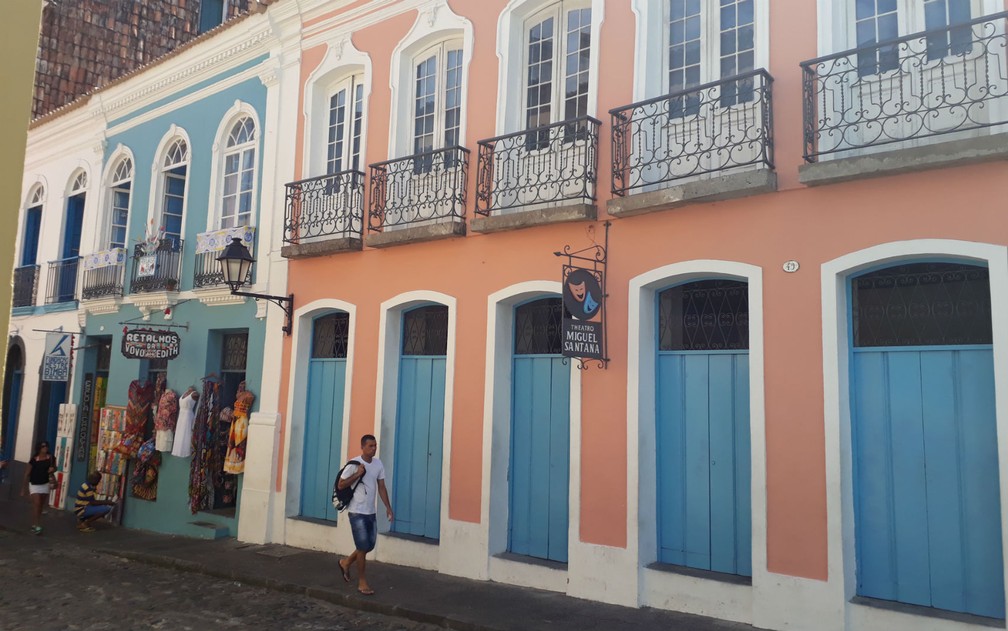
[[809, 225]]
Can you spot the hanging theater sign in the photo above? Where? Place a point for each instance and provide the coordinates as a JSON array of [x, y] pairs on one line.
[[150, 344], [583, 330]]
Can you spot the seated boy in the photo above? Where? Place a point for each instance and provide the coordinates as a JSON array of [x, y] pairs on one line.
[[88, 509]]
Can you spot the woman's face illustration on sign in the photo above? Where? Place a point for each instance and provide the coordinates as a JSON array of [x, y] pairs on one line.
[[582, 294]]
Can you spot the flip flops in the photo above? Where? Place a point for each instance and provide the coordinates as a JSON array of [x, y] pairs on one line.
[[366, 592], [345, 570]]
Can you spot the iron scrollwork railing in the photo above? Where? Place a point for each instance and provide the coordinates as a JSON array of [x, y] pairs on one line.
[[61, 280], [711, 128], [326, 206], [419, 189], [157, 269], [25, 285], [936, 82], [103, 282], [208, 271], [549, 164]]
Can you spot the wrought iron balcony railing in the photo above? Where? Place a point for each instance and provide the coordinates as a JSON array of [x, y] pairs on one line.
[[711, 128], [419, 189], [103, 273], [330, 206], [547, 165], [61, 280], [209, 245], [25, 285], [157, 269], [938, 82]]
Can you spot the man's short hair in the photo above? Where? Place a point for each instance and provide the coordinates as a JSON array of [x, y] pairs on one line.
[[365, 438], [94, 478]]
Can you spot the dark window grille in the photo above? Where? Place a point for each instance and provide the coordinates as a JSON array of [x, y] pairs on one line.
[[419, 189], [922, 304], [104, 355], [331, 336], [425, 331], [103, 281], [62, 280], [25, 285], [327, 206], [537, 327], [167, 266], [705, 315], [235, 352]]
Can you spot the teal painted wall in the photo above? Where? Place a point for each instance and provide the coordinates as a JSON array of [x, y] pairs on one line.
[[199, 355]]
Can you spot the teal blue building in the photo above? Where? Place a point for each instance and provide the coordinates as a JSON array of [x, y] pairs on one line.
[[181, 175]]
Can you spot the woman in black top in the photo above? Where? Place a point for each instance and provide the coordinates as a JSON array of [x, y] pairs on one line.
[[41, 466]]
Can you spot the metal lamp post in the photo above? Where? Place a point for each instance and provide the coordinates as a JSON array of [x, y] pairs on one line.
[[236, 263]]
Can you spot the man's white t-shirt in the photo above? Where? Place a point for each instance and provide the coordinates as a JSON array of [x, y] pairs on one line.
[[365, 498]]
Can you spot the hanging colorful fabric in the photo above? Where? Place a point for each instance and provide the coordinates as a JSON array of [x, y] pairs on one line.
[[165, 419], [234, 462], [137, 412], [145, 472], [204, 430]]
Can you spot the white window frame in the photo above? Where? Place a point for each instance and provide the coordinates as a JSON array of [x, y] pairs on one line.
[[158, 179], [435, 23], [241, 151], [350, 157], [219, 153], [440, 53], [651, 44], [36, 198], [512, 51], [112, 186], [341, 63], [836, 21], [560, 13]]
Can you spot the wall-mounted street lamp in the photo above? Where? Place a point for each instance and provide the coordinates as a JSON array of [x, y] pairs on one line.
[[236, 263]]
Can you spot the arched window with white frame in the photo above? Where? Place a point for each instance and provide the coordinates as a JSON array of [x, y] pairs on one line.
[[239, 174], [437, 92], [174, 176], [345, 128], [120, 192]]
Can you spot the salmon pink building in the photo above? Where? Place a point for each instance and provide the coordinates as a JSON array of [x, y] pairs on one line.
[[801, 417]]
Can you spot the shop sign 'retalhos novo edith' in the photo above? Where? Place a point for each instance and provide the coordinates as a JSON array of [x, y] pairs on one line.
[[150, 344]]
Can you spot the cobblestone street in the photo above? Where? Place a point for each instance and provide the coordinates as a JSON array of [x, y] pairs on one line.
[[50, 584]]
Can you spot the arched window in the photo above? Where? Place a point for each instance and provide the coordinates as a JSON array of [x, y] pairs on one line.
[[79, 184], [239, 174], [32, 226], [346, 115], [120, 187], [174, 171]]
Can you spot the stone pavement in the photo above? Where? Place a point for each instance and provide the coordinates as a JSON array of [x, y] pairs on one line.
[[408, 593]]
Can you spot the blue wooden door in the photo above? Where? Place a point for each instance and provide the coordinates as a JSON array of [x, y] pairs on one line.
[[71, 249], [539, 472], [419, 430], [702, 428], [12, 411], [925, 464], [324, 415]]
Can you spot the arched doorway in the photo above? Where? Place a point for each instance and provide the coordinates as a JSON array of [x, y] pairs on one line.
[[927, 511], [702, 434], [539, 468], [13, 381]]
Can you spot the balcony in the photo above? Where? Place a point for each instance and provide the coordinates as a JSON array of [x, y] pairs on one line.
[[324, 215], [25, 285], [921, 101], [418, 198], [711, 142], [103, 274], [209, 245], [157, 269], [538, 176], [61, 280]]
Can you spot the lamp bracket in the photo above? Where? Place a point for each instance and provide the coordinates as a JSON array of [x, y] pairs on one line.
[[284, 302]]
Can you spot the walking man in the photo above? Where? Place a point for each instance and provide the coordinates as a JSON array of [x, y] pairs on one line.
[[370, 474]]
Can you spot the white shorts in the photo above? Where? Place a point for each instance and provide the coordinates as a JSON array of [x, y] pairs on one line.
[[38, 489]]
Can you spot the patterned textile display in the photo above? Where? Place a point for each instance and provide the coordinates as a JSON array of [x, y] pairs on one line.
[[204, 431], [220, 447], [145, 472], [165, 420], [141, 393], [234, 462]]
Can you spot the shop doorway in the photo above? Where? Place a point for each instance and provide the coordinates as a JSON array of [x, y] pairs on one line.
[[419, 428], [51, 395], [927, 510], [702, 438], [324, 405], [539, 467], [13, 380], [234, 358]]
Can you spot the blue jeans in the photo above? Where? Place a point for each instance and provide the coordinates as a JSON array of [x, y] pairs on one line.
[[365, 530], [93, 510]]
